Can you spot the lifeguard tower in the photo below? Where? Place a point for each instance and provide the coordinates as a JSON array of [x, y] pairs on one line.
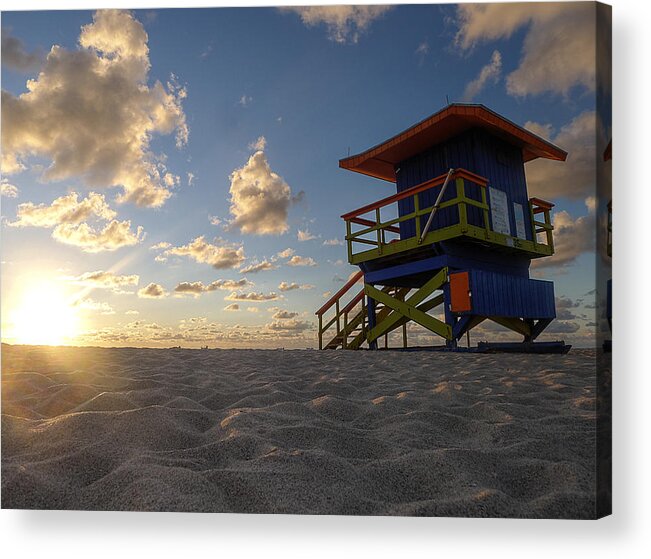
[[452, 248]]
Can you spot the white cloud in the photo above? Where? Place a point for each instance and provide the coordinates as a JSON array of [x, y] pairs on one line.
[[285, 286], [152, 291], [219, 256], [291, 325], [260, 198], [105, 280], [190, 176], [301, 261], [559, 46], [333, 242], [572, 237], [344, 24], [214, 220], [132, 312], [488, 74], [286, 253], [67, 216], [574, 178], [92, 113], [115, 235], [282, 314], [259, 144], [160, 246], [252, 297], [101, 307], [196, 288], [305, 235], [257, 267], [8, 190], [245, 100], [66, 209], [232, 307]]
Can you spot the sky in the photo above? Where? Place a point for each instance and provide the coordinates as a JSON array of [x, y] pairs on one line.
[[170, 177]]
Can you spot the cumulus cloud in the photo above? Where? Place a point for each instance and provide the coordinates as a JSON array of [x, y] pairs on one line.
[[289, 325], [575, 177], [196, 288], [285, 286], [488, 74], [92, 113], [101, 307], [344, 24], [259, 145], [301, 261], [8, 190], [333, 242], [252, 297], [101, 279], [160, 246], [305, 235], [260, 198], [232, 307], [152, 291], [66, 209], [258, 267], [572, 237], [15, 56], [286, 253], [115, 235], [219, 256], [282, 314], [67, 215], [559, 46]]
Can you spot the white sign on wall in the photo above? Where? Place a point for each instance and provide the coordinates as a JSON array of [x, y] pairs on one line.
[[521, 232], [499, 211]]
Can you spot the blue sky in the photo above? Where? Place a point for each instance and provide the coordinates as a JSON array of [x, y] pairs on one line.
[[312, 84]]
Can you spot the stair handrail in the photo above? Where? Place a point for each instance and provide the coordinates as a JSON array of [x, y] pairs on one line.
[[352, 281]]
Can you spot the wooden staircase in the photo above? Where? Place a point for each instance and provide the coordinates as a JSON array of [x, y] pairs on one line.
[[349, 323]]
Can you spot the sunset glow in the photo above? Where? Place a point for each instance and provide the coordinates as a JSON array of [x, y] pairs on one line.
[[44, 315]]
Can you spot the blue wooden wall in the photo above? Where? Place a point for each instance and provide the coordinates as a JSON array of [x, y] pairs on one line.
[[475, 150], [506, 295]]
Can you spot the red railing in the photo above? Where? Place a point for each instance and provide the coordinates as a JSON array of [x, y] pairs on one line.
[[422, 187], [340, 318]]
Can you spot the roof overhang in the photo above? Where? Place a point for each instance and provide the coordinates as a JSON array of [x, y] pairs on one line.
[[380, 161]]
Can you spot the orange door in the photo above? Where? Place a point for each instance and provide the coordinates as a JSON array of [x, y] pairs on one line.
[[460, 292]]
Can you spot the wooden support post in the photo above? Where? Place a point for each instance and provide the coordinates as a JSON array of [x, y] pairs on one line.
[[349, 241], [463, 211], [344, 340], [487, 225], [338, 315], [320, 331], [404, 335], [370, 304], [378, 222], [550, 227], [417, 218], [533, 226], [449, 316]]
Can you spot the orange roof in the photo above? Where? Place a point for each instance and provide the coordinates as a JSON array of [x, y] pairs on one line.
[[379, 161]]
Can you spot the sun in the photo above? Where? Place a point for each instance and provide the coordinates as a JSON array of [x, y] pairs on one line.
[[44, 315]]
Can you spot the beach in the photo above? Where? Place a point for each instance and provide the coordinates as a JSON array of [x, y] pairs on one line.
[[299, 431]]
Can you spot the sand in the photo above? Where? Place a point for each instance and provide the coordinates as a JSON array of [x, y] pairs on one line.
[[338, 432]]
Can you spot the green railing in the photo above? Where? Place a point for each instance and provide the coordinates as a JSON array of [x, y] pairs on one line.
[[383, 234]]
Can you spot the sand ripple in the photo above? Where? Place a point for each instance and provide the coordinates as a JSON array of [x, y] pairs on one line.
[[299, 432]]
